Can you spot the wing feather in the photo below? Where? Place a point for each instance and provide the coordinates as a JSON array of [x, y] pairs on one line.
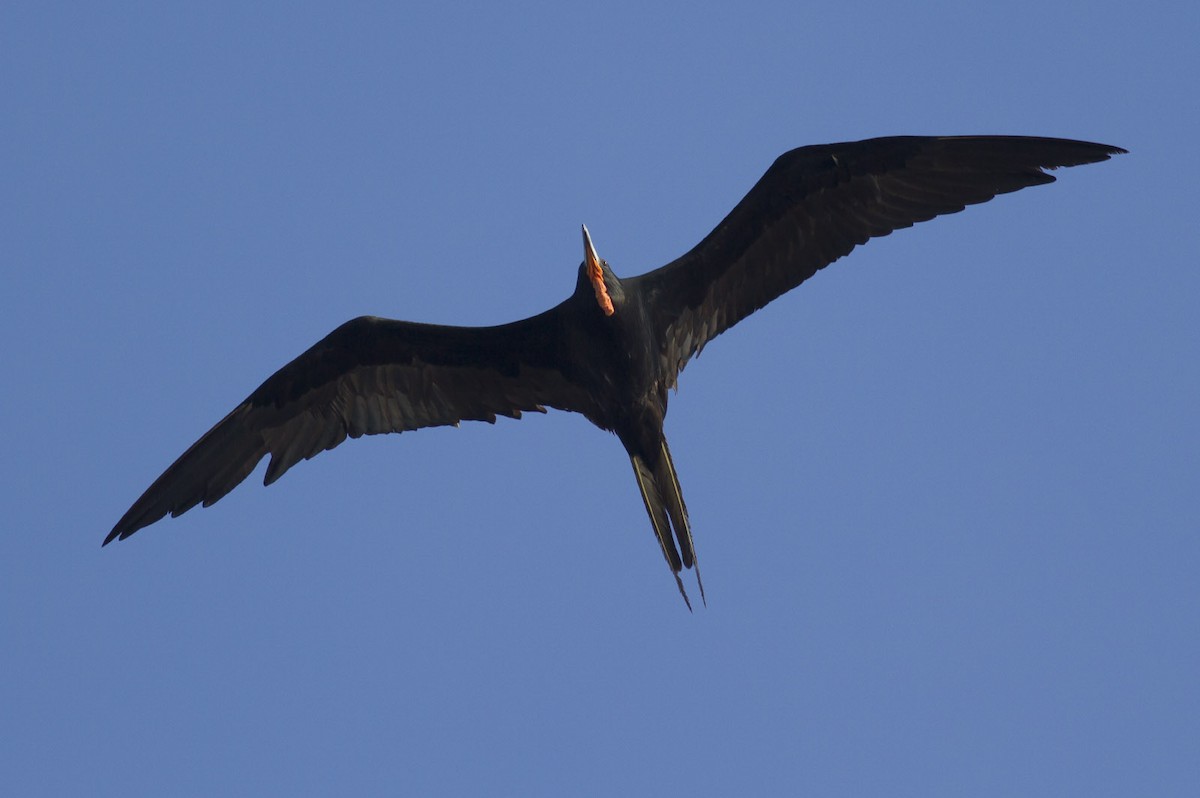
[[368, 377], [815, 204]]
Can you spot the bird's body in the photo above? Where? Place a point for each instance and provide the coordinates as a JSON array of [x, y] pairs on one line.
[[614, 348]]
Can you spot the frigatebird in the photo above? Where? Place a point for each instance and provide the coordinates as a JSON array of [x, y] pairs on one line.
[[613, 348]]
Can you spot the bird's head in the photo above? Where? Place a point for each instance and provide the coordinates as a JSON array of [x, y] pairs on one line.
[[601, 280]]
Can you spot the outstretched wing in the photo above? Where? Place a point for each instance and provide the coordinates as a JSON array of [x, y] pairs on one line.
[[369, 376], [815, 204]]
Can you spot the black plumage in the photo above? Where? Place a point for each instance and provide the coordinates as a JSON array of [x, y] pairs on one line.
[[613, 349]]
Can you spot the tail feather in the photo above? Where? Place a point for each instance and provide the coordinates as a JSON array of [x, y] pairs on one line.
[[668, 481], [663, 498]]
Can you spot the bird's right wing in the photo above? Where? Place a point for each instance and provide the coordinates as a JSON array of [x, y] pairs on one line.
[[817, 203], [369, 376]]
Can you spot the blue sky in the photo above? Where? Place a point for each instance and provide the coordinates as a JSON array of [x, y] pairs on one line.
[[945, 494]]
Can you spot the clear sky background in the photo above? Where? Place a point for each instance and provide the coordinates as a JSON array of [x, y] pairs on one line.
[[945, 494]]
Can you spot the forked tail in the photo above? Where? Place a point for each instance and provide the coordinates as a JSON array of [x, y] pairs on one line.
[[663, 498]]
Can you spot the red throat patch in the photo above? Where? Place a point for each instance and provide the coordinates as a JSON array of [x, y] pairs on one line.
[[602, 298]]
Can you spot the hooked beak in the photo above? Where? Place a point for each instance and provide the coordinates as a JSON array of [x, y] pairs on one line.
[[596, 274]]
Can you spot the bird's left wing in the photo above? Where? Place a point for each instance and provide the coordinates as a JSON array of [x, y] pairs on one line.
[[369, 376], [817, 203]]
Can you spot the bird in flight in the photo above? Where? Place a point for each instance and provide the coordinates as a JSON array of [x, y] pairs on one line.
[[612, 349]]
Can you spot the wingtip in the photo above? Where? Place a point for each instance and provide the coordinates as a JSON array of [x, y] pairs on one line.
[[1107, 151], [115, 534], [130, 522], [1091, 152]]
